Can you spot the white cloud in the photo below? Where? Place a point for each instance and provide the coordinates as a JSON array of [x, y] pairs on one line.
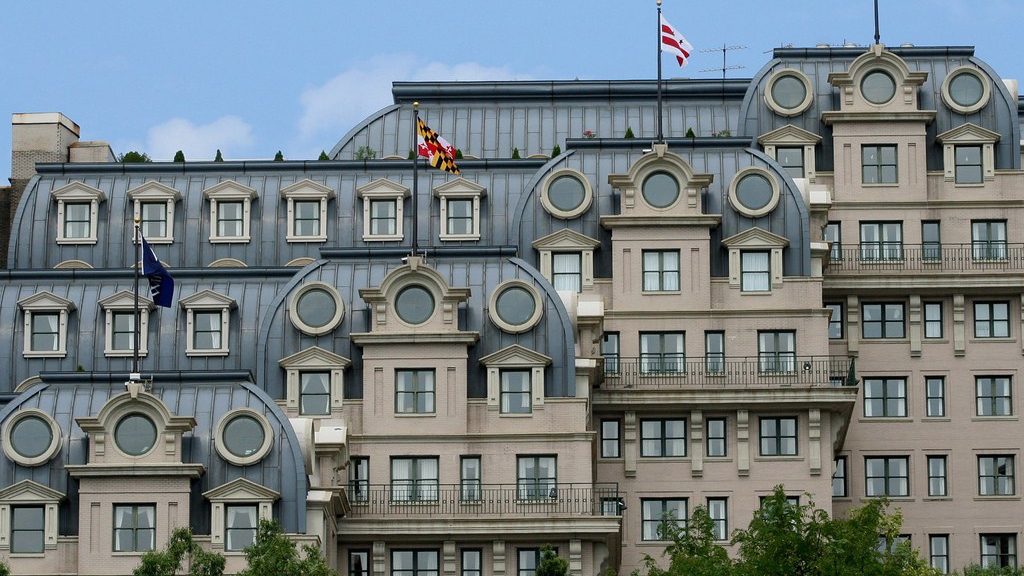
[[232, 135], [333, 108]]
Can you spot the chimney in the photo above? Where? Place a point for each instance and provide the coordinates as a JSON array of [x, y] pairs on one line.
[[39, 137]]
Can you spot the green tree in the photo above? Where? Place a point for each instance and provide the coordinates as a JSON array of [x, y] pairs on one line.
[[412, 154], [556, 150], [179, 156], [279, 157], [551, 564], [629, 132], [323, 156], [693, 551], [515, 154], [219, 157], [132, 156], [168, 562], [5, 570], [274, 554], [976, 570], [365, 153], [690, 134], [458, 154]]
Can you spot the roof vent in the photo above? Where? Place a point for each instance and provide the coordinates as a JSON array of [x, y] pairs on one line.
[[907, 45], [850, 45], [822, 45]]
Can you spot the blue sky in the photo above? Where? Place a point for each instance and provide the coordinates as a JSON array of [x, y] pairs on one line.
[[254, 77]]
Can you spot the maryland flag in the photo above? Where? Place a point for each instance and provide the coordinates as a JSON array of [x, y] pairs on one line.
[[437, 149]]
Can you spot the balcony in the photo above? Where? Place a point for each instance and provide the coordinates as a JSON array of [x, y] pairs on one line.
[[887, 257], [536, 499], [715, 372]]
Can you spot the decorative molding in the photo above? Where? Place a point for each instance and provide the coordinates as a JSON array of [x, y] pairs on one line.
[[986, 90], [535, 316], [28, 492], [314, 359], [968, 134], [383, 189], [779, 109], [462, 189], [45, 302], [307, 190], [154, 192], [230, 191], [78, 193], [124, 301], [550, 208]]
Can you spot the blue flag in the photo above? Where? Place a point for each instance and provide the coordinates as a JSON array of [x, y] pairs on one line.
[[161, 285]]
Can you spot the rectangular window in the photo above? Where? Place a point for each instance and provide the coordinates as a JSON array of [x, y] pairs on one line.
[[315, 393], [885, 397], [755, 271], [472, 564], [716, 438], [878, 164], [77, 220], [988, 239], [776, 351], [968, 164], [567, 271], [887, 476], [123, 327], [932, 319], [714, 352], [358, 563], [998, 550], [537, 477], [833, 233], [938, 552], [790, 501], [935, 396], [27, 529], [881, 241], [791, 159], [662, 438], [991, 319], [611, 507], [839, 485], [414, 563], [937, 476], [414, 479], [229, 219], [154, 219], [995, 395], [611, 437], [240, 525], [527, 560], [460, 216], [134, 527], [659, 515], [610, 352], [359, 479], [516, 392], [662, 352], [383, 217], [414, 391], [661, 270], [882, 320], [931, 243], [45, 331], [718, 509], [207, 330], [995, 476], [835, 320], [471, 488], [307, 217], [778, 436]]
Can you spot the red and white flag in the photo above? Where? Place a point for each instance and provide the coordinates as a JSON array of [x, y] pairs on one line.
[[674, 42]]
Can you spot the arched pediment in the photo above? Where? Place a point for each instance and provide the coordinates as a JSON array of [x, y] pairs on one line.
[[384, 299], [661, 160], [139, 401], [877, 58]]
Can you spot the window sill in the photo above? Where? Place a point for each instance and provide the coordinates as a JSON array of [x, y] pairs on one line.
[[302, 239], [880, 185], [51, 354], [160, 240], [937, 499], [415, 415], [459, 238], [786, 458], [1003, 340], [514, 415], [206, 353], [994, 419], [718, 459], [128, 554], [755, 292], [893, 498], [997, 498], [936, 419], [124, 353], [660, 292], [885, 419], [968, 184], [659, 459], [885, 340], [228, 240], [609, 459], [382, 238], [27, 555], [73, 241], [842, 499], [935, 341]]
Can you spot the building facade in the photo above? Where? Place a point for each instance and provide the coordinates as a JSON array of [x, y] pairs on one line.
[[815, 281]]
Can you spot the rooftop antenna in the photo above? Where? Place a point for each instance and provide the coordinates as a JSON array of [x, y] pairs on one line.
[[725, 49], [878, 38]]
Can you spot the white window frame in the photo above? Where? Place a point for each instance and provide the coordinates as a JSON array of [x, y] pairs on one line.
[[124, 301], [790, 136], [515, 357], [383, 189], [29, 493], [78, 193], [50, 303], [566, 240], [153, 192], [307, 190], [968, 135], [230, 191], [239, 491], [208, 301], [756, 240], [460, 189], [314, 359]]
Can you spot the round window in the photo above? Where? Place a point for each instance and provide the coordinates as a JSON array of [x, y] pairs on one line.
[[566, 193], [243, 436], [135, 434], [966, 89], [516, 305], [415, 304], [31, 437], [789, 91], [754, 191], [661, 189], [316, 307], [878, 87]]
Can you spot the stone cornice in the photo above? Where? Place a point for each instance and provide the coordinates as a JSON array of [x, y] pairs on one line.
[[837, 117], [430, 527], [364, 338], [134, 470], [619, 221], [839, 399], [476, 437]]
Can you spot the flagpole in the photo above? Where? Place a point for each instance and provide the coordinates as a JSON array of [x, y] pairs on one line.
[[135, 316], [415, 175], [661, 137]]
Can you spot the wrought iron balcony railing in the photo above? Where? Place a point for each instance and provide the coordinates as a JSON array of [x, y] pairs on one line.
[[886, 256], [774, 369], [534, 498]]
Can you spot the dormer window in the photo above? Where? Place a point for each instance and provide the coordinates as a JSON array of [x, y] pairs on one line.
[[119, 310], [307, 211], [793, 148], [208, 321], [968, 154], [515, 380], [567, 259], [77, 213], [230, 211], [755, 260], [28, 518], [154, 208], [383, 210], [236, 509], [315, 381], [460, 209], [45, 325]]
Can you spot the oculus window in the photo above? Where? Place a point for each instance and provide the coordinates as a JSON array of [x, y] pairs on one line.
[[414, 304], [135, 434], [878, 87], [660, 189], [515, 307]]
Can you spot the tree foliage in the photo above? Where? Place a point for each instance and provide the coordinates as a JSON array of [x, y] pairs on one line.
[[976, 570], [132, 156], [629, 132], [274, 554], [279, 157], [180, 547], [693, 551], [219, 157], [364, 152], [556, 150], [551, 564], [323, 156], [5, 570], [515, 154], [179, 156]]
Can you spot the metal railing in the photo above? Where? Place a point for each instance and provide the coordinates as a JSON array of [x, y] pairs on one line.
[[541, 498], [776, 369], [886, 256]]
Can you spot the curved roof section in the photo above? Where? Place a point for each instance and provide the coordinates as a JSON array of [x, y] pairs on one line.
[[553, 335], [66, 399], [999, 115]]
